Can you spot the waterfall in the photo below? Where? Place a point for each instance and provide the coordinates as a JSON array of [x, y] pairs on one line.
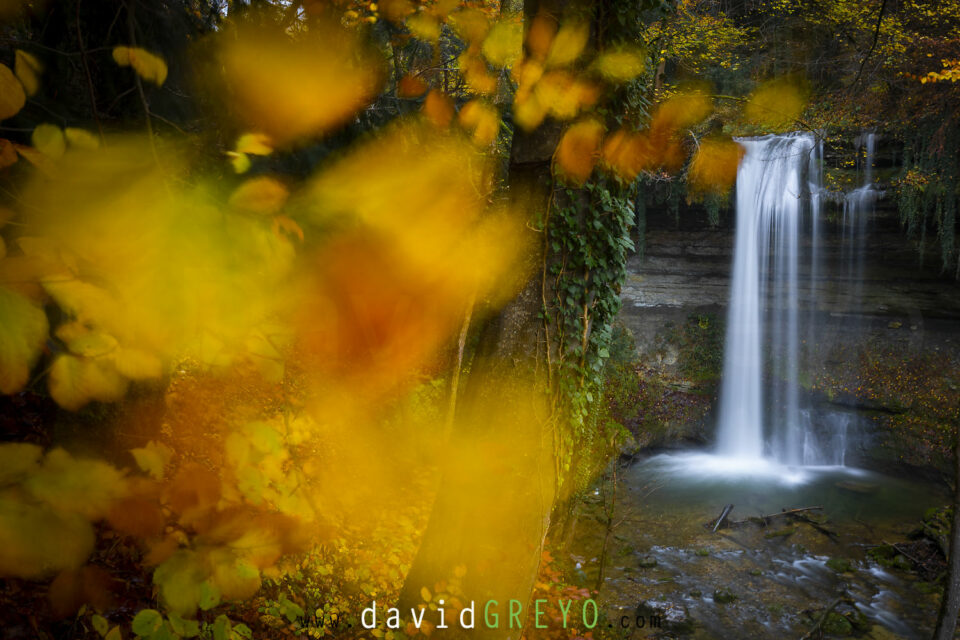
[[775, 181], [857, 207]]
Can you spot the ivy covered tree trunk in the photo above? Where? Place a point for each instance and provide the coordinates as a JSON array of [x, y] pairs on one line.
[[492, 512], [534, 379]]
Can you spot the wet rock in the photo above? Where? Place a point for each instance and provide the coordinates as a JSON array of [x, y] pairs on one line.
[[902, 563], [836, 625], [724, 596], [840, 565], [672, 616]]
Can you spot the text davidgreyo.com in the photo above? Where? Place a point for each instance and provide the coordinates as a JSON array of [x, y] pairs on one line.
[[493, 614]]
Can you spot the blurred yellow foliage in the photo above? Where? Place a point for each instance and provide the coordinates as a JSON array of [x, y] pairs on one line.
[[776, 104], [28, 69], [12, 95], [579, 149], [481, 120], [620, 65], [714, 166], [148, 66], [504, 43], [296, 87], [23, 332]]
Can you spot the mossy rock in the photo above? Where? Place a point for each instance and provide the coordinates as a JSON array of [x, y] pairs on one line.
[[836, 625], [858, 620], [703, 553], [647, 562], [696, 593], [781, 533], [882, 555], [840, 565], [724, 596], [926, 587], [756, 572], [900, 562]]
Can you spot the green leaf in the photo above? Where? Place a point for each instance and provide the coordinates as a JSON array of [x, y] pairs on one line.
[[100, 624], [153, 458], [114, 634], [221, 628], [209, 596], [147, 622], [241, 631], [184, 628]]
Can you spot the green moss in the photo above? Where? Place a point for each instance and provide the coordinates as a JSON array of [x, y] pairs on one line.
[[837, 625], [901, 562], [756, 572], [840, 565], [926, 587], [702, 552], [724, 596], [781, 533]]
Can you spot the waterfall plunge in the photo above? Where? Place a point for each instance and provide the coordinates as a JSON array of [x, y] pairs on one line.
[[774, 185]]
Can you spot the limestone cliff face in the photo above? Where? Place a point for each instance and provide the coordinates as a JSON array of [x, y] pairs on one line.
[[858, 303], [685, 269]]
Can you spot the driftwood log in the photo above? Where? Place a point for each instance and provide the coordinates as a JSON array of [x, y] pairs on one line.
[[724, 520]]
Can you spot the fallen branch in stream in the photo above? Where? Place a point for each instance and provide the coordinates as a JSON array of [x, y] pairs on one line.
[[763, 519], [823, 616], [909, 556], [723, 520]]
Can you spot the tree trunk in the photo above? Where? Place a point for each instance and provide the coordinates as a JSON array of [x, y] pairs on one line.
[[950, 605]]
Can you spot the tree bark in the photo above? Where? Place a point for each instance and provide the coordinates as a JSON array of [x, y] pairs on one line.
[[950, 605]]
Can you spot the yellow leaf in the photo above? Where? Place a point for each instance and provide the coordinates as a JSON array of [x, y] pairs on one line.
[[36, 541], [260, 195], [23, 332], [425, 594], [83, 342], [49, 140], [12, 96], [471, 24], [776, 104], [153, 458], [17, 461], [28, 70], [137, 364], [714, 166], [148, 66], [481, 120], [579, 150], [76, 485], [424, 26], [239, 161], [568, 44], [438, 108], [73, 381], [504, 44], [256, 144], [8, 153], [620, 66], [293, 88], [81, 138]]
